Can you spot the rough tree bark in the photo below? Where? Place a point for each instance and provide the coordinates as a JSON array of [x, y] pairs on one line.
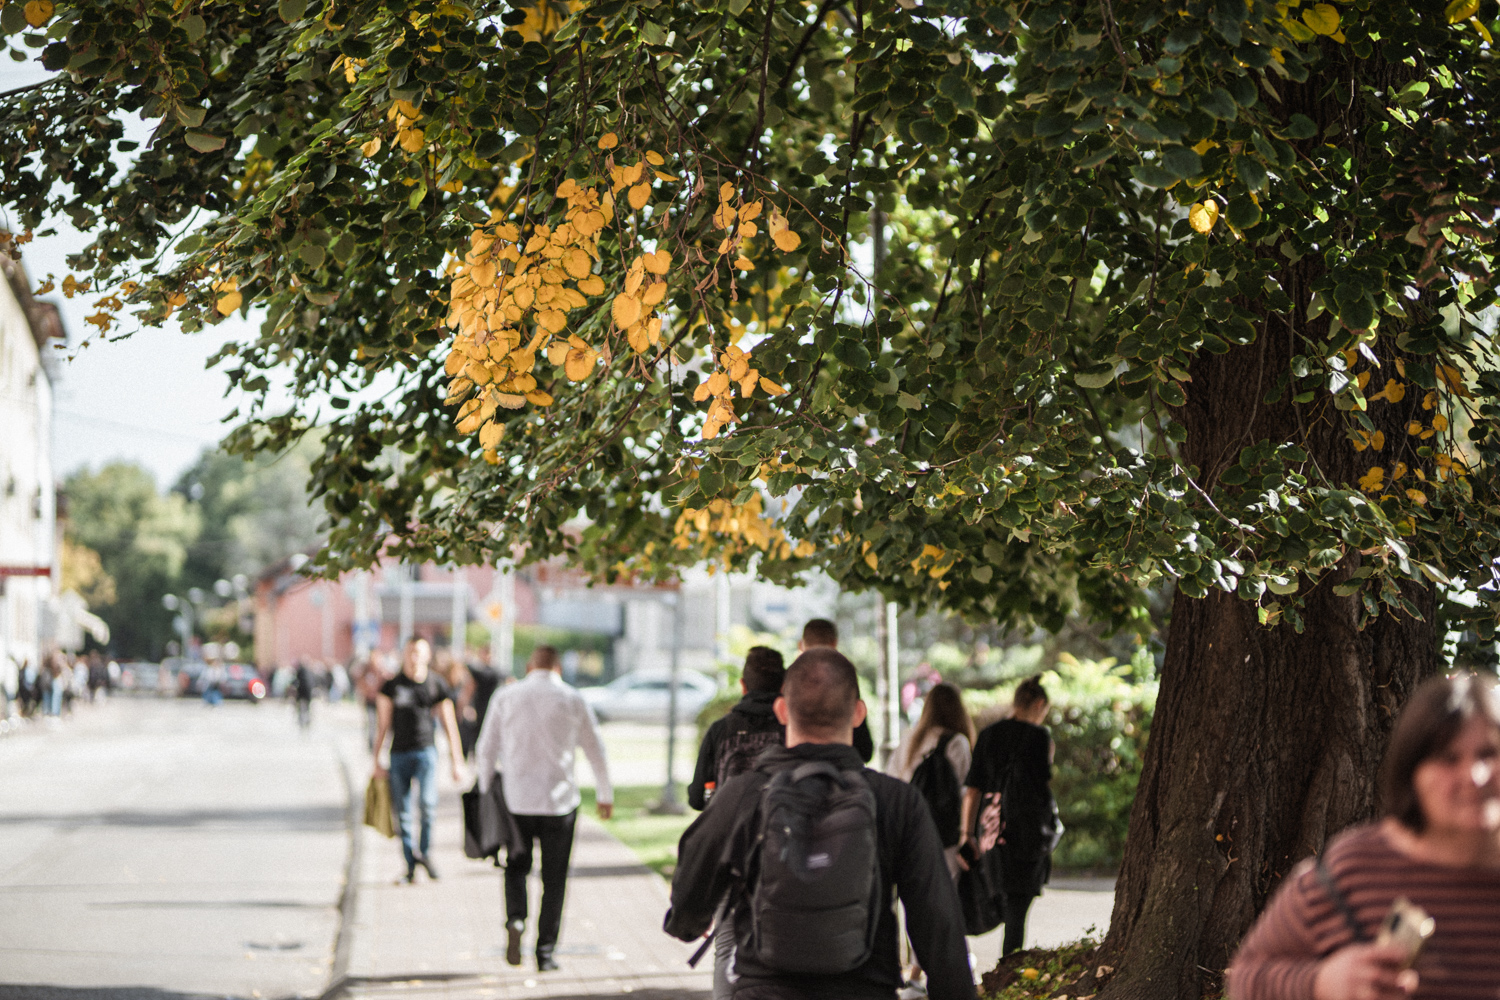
[[1266, 742]]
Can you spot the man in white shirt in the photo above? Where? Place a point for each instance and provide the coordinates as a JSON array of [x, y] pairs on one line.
[[531, 731]]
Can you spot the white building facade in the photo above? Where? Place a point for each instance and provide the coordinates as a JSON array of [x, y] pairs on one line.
[[29, 550]]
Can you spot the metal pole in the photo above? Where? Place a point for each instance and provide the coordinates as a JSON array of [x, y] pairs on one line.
[[882, 676], [503, 637], [893, 678], [669, 804], [328, 592], [408, 607], [721, 622], [460, 620]]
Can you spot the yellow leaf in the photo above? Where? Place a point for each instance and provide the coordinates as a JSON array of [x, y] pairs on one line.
[[718, 383], [640, 338], [1398, 471], [726, 191], [1461, 10], [639, 195], [786, 241], [577, 263], [1453, 379], [1393, 392], [1372, 481], [724, 216], [654, 158], [1414, 427], [539, 398], [1484, 32], [490, 434], [771, 388], [411, 140], [552, 320], [663, 176], [1362, 380], [608, 140], [38, 12], [632, 173], [557, 353], [592, 285], [871, 560], [1322, 18], [510, 400], [654, 293], [658, 262], [744, 263], [626, 309], [1439, 422], [371, 148], [1203, 215], [580, 364], [1428, 401], [751, 211], [228, 303], [1203, 146], [1417, 495], [701, 393]]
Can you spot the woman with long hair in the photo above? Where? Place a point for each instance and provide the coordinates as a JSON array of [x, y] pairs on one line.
[[944, 722]]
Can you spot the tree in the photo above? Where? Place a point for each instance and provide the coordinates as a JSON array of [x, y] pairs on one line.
[[141, 539], [1192, 291]]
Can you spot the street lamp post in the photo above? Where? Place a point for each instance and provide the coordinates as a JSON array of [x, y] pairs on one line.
[[184, 623], [669, 805]]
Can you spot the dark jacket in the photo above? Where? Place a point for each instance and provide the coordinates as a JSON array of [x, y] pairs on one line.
[[714, 854], [1014, 759], [750, 723]]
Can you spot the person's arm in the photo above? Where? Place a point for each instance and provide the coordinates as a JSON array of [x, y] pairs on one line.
[[450, 728], [383, 711], [593, 748], [934, 916], [960, 756], [706, 857], [864, 743], [706, 769], [487, 747], [1279, 959]]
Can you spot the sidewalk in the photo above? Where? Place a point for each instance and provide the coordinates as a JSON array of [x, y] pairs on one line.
[[447, 938]]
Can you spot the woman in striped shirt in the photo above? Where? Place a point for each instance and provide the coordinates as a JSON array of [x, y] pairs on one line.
[[1438, 845]]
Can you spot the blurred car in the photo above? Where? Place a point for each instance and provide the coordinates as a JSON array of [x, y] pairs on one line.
[[644, 695], [237, 680], [138, 677]]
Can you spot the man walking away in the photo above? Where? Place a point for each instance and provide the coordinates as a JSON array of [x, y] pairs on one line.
[[732, 743], [813, 915], [1013, 766], [531, 731], [302, 690], [405, 708], [730, 748], [820, 633]]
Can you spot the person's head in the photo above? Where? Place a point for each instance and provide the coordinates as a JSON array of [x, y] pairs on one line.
[[544, 658], [764, 670], [1442, 768], [943, 709], [1031, 701], [819, 700], [817, 634], [416, 659]]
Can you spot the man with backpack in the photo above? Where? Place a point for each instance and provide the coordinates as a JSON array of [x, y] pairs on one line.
[[732, 743], [809, 846]]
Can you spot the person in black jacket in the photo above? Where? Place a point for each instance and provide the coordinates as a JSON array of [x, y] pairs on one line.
[[732, 743], [820, 707], [1012, 768]]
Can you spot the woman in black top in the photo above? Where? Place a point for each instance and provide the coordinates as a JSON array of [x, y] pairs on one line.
[[1012, 769]]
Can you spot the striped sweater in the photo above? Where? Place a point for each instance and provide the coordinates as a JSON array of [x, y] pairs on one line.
[[1302, 925]]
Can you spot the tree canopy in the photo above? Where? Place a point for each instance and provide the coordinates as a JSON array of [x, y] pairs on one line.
[[933, 296]]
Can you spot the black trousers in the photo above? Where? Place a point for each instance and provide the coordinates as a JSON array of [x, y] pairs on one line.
[[1013, 907], [555, 835]]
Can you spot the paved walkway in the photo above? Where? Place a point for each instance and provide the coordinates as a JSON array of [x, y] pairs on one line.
[[447, 938]]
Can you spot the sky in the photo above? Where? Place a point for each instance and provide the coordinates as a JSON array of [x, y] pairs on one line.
[[147, 398]]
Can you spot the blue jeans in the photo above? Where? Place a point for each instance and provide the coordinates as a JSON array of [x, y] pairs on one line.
[[406, 767]]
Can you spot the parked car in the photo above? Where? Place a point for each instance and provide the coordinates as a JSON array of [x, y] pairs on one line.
[[138, 677], [238, 680], [643, 695]]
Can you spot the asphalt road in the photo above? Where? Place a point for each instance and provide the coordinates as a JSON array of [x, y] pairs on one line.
[[158, 848]]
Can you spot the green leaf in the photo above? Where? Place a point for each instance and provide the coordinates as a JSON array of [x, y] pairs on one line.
[[1243, 212], [1153, 176], [191, 115], [204, 142], [291, 10], [195, 27], [1095, 376], [342, 248], [313, 254], [1251, 171], [928, 132], [13, 17], [1182, 162], [1217, 103], [1301, 127]]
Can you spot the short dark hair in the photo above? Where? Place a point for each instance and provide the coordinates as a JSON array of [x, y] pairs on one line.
[[1438, 709], [821, 690], [545, 657], [820, 632], [764, 669], [1030, 691]]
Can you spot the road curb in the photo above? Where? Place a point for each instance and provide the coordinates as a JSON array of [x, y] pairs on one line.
[[338, 978]]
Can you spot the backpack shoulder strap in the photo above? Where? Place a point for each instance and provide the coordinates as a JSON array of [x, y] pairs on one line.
[[1339, 900]]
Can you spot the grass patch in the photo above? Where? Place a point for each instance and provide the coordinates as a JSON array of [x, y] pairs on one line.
[[1046, 972], [652, 838]]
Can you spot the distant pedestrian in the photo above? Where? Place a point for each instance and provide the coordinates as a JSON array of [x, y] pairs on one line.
[[406, 708], [213, 684], [371, 678], [820, 633], [304, 685], [935, 756], [1437, 845], [531, 733], [813, 914], [1012, 769], [486, 683], [730, 748]]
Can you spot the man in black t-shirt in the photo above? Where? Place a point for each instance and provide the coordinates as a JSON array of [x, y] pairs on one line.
[[405, 707]]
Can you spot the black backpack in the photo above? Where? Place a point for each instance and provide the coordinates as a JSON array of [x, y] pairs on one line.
[[743, 741], [815, 904], [935, 779]]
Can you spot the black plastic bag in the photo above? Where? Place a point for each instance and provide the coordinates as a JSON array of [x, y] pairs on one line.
[[489, 827]]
